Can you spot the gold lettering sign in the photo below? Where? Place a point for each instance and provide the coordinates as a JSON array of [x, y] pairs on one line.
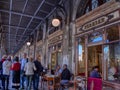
[[95, 23], [55, 39]]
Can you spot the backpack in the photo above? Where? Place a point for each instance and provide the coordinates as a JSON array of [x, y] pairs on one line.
[[0, 65]]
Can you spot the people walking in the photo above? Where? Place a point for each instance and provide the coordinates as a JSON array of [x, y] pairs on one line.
[[23, 62], [37, 73], [6, 73], [1, 70], [29, 72], [16, 73]]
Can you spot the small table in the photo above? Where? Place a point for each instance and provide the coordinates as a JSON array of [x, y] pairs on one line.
[[52, 79]]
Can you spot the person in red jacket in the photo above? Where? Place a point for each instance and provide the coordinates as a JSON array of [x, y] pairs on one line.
[[16, 73]]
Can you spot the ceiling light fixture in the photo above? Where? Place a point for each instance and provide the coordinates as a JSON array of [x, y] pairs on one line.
[[28, 43], [55, 22]]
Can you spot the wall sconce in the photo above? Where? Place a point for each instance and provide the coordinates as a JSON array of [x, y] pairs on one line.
[[55, 22], [28, 43]]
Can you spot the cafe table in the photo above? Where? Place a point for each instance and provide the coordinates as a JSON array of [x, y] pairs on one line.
[[53, 81]]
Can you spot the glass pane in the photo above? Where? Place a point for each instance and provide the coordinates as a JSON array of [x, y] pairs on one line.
[[95, 37], [94, 57], [81, 57], [112, 33], [112, 57], [94, 4]]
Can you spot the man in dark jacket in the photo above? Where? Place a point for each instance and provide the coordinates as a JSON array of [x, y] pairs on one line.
[[37, 73], [65, 76]]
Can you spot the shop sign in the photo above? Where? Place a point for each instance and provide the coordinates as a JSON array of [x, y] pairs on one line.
[[55, 39], [95, 23]]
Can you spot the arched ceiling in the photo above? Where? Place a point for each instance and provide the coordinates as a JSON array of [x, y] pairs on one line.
[[20, 18]]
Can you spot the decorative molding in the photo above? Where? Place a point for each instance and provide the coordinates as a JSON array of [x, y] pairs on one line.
[[55, 37], [98, 17], [100, 11]]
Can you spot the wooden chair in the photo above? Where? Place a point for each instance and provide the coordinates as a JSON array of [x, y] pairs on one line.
[[43, 80], [53, 83], [69, 84]]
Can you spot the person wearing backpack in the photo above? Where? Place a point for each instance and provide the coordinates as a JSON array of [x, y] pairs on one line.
[[37, 73]]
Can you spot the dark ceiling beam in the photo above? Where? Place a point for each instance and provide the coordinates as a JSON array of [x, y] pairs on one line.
[[20, 46], [23, 14], [10, 21], [33, 17], [44, 11], [15, 26], [4, 2], [16, 35], [13, 39], [49, 3]]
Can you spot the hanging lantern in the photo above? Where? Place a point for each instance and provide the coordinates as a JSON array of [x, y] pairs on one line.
[[28, 43], [55, 22]]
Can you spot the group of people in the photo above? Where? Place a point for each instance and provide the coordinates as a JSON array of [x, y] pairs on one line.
[[24, 71], [64, 73]]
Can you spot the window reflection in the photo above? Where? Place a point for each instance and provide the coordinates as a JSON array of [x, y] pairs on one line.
[[81, 60], [94, 4], [95, 37], [112, 33], [112, 57]]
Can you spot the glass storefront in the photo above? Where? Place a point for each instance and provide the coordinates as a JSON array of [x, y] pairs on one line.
[[101, 51], [55, 55], [81, 56], [112, 54], [112, 57]]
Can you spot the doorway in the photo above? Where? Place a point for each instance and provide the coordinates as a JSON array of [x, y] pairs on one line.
[[94, 57]]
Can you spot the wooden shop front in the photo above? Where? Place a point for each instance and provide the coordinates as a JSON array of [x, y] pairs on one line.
[[98, 43]]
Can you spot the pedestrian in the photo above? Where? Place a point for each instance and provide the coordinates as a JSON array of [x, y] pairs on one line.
[[23, 77], [29, 72], [16, 73], [4, 57], [37, 73], [6, 73]]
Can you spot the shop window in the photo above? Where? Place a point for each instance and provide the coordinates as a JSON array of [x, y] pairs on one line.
[[94, 57], [81, 57], [112, 58], [112, 34], [94, 4], [95, 37]]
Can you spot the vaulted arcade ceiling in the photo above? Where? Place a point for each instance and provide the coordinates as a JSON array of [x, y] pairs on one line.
[[20, 18]]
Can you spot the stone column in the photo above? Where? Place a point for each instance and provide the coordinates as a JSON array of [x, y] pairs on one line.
[[73, 29], [73, 45], [35, 41], [44, 45], [65, 45]]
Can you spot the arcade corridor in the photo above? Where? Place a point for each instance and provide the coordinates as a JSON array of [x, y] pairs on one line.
[[60, 44]]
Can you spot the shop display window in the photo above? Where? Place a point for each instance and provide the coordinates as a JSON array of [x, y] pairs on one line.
[[81, 56], [112, 58], [112, 34]]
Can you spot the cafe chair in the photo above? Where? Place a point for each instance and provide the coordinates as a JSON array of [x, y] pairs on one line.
[[43, 80], [81, 83], [54, 83], [69, 84]]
